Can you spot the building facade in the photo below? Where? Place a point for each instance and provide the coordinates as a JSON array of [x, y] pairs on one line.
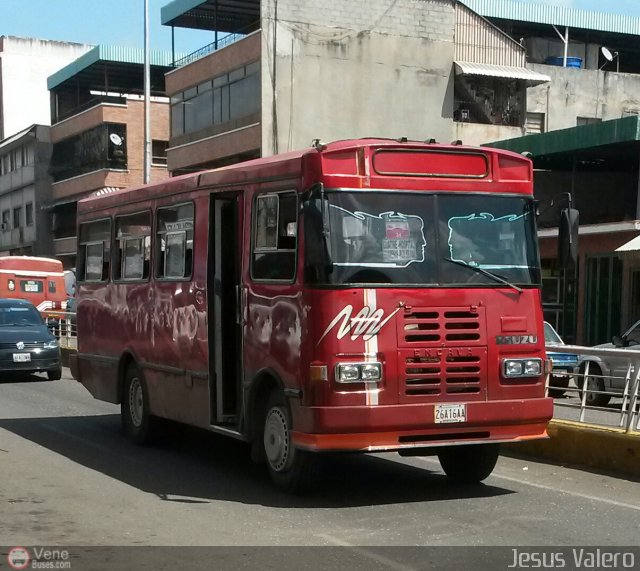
[[97, 132], [25, 64], [25, 186], [290, 72]]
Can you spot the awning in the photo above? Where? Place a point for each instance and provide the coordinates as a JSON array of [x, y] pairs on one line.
[[78, 197], [630, 246], [504, 71]]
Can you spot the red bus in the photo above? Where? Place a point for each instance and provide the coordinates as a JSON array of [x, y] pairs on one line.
[[365, 295], [38, 280]]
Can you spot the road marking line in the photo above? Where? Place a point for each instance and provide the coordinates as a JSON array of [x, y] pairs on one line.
[[367, 553], [546, 487]]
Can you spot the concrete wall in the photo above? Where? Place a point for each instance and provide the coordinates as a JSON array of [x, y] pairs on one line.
[[356, 69], [25, 64], [576, 93]]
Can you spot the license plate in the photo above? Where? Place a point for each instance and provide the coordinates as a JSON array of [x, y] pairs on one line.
[[445, 413], [21, 357]]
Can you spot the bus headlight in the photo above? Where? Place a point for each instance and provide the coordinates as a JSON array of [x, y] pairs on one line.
[[358, 372], [522, 367]]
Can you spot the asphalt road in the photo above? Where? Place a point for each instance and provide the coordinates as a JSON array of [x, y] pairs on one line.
[[71, 477]]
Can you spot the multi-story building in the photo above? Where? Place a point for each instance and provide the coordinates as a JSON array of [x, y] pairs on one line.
[[97, 131], [25, 64], [288, 72], [25, 185]]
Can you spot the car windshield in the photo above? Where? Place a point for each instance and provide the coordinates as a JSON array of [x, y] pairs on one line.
[[415, 238], [550, 334], [10, 316]]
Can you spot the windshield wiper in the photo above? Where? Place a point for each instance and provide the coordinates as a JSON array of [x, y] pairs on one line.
[[484, 272]]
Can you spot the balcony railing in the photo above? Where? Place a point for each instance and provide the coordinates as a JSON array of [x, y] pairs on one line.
[[208, 49]]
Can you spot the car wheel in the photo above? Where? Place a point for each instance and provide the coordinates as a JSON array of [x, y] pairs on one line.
[[292, 470], [55, 374], [469, 464], [134, 410], [594, 382]]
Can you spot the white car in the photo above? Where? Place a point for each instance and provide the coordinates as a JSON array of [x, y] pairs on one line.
[[609, 373]]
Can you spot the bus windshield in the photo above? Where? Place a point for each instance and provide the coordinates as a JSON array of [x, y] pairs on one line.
[[417, 239]]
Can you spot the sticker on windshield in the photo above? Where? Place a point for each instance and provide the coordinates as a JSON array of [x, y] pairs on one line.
[[387, 240], [484, 241]]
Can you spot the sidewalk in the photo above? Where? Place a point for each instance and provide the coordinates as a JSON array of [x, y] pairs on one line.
[[609, 449]]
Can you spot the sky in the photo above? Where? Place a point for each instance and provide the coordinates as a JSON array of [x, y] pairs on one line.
[[120, 22]]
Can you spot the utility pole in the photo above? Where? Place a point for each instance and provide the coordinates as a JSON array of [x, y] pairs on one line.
[[147, 98]]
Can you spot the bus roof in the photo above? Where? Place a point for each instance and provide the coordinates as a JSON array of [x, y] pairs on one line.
[[337, 158], [31, 263]]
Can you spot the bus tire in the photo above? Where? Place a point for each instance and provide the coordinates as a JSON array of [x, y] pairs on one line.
[[134, 409], [292, 470], [469, 464], [54, 374]]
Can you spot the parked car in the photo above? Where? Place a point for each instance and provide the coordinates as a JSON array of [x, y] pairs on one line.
[[26, 344], [564, 365], [609, 373]]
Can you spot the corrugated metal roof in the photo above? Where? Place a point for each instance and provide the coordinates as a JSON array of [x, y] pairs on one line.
[[506, 71], [557, 15], [118, 54]]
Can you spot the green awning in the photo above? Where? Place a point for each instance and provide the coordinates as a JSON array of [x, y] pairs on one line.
[[575, 139]]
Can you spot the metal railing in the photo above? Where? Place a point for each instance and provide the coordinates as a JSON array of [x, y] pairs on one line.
[[591, 383], [63, 326]]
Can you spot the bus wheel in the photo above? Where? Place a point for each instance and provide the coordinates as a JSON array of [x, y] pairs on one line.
[[54, 374], [134, 410], [292, 470], [469, 464]]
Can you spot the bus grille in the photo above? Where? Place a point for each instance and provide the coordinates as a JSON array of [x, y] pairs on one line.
[[27, 345], [450, 373], [453, 326]]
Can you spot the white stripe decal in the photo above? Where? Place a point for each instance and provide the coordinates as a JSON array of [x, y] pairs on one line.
[[371, 347], [34, 273]]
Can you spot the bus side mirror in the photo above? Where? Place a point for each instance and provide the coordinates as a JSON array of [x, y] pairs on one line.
[[568, 238]]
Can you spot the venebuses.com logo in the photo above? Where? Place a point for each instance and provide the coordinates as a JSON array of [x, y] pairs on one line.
[[38, 558], [19, 558]]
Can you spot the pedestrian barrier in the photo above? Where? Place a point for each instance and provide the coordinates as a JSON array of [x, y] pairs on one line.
[[63, 326], [590, 382]]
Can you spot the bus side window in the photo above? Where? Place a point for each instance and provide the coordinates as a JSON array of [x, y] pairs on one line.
[[132, 246], [275, 236], [94, 251], [174, 243]]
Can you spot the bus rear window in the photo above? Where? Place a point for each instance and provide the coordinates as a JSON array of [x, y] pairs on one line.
[[31, 286]]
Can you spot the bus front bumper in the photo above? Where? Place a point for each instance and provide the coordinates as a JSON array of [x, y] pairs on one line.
[[411, 426]]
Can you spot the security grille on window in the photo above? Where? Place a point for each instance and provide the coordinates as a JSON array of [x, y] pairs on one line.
[[174, 244], [133, 246], [275, 236], [94, 251]]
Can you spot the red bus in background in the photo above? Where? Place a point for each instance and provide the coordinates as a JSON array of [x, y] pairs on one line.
[[38, 280], [365, 295]]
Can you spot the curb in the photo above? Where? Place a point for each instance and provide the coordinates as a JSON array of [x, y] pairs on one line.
[[603, 448]]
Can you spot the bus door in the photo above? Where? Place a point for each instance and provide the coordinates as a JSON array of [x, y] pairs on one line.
[[224, 321]]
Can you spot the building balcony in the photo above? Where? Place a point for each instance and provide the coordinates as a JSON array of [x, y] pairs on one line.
[[95, 180]]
